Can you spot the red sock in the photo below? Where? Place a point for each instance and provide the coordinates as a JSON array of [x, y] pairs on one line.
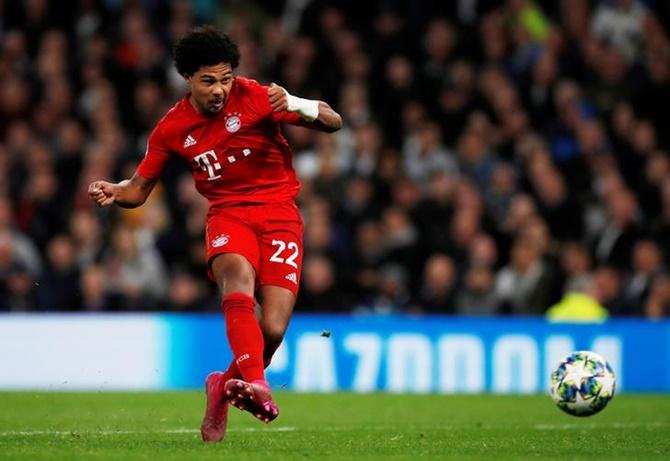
[[244, 336], [233, 372]]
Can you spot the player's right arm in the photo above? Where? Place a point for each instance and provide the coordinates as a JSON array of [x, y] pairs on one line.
[[129, 193]]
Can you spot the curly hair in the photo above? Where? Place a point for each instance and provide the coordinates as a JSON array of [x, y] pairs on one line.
[[204, 46]]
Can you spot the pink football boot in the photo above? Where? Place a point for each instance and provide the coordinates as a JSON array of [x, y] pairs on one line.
[[254, 397], [213, 427]]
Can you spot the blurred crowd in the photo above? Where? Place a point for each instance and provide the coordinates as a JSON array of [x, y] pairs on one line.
[[497, 156]]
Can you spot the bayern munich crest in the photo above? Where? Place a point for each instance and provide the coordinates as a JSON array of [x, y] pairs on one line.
[[233, 123], [220, 240]]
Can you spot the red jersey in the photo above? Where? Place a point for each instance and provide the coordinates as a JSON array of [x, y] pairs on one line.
[[236, 156]]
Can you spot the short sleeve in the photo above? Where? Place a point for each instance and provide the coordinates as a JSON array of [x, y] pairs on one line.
[[292, 118], [156, 157]]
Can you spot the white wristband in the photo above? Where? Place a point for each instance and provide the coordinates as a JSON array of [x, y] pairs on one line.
[[307, 108]]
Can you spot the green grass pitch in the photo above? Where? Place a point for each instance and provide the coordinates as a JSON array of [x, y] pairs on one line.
[[164, 426]]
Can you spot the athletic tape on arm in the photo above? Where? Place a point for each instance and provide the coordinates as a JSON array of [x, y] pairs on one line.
[[307, 108]]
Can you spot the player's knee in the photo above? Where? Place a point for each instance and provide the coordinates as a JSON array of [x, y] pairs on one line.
[[273, 334], [242, 283], [234, 274]]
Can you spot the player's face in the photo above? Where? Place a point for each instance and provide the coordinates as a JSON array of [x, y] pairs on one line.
[[210, 87]]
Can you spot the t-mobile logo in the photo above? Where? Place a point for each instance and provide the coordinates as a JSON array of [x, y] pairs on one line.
[[209, 162]]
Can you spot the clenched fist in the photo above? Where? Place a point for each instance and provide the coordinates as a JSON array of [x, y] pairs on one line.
[[102, 193], [278, 98]]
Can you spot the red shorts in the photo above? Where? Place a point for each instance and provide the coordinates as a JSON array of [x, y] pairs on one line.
[[268, 236]]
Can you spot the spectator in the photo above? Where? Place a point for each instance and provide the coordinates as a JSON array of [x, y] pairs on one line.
[[137, 277], [477, 296], [401, 238], [23, 249], [577, 306], [59, 285], [87, 237], [16, 283], [94, 291], [524, 287], [616, 241], [607, 288], [319, 289], [500, 191], [575, 264], [658, 303], [647, 266], [425, 155], [369, 255], [620, 23], [483, 252], [560, 209], [438, 291], [187, 294], [393, 294], [434, 212]]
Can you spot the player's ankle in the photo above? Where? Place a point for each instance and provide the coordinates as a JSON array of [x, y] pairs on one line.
[[261, 382]]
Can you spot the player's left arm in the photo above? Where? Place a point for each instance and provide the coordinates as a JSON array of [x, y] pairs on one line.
[[314, 114]]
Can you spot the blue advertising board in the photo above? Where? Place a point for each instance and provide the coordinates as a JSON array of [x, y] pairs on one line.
[[323, 353]]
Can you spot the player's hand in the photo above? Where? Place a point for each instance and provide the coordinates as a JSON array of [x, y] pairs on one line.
[[278, 98], [102, 193]]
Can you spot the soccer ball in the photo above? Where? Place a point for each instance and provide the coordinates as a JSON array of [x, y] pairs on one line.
[[582, 384]]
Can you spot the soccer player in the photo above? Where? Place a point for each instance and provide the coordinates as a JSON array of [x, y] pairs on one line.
[[228, 129]]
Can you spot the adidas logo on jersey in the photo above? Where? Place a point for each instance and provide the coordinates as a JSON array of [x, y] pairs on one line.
[[292, 277], [189, 141]]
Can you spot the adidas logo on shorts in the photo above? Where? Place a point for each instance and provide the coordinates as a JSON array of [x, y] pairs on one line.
[[292, 277]]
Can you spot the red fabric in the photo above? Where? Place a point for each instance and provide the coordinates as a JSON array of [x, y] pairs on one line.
[[244, 335], [246, 157], [233, 372], [268, 236]]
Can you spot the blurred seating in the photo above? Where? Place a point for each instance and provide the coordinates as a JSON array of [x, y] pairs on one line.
[[495, 154]]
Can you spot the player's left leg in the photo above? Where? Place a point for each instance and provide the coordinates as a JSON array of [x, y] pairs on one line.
[[276, 309]]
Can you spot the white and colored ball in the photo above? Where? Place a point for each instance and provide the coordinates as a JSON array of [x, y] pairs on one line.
[[583, 383]]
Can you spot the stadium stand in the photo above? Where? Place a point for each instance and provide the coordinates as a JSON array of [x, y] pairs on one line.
[[496, 156]]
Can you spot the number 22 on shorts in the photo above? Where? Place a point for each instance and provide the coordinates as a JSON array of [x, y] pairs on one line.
[[282, 245]]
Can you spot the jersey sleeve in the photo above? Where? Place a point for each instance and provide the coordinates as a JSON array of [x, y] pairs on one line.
[[292, 118], [156, 157]]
